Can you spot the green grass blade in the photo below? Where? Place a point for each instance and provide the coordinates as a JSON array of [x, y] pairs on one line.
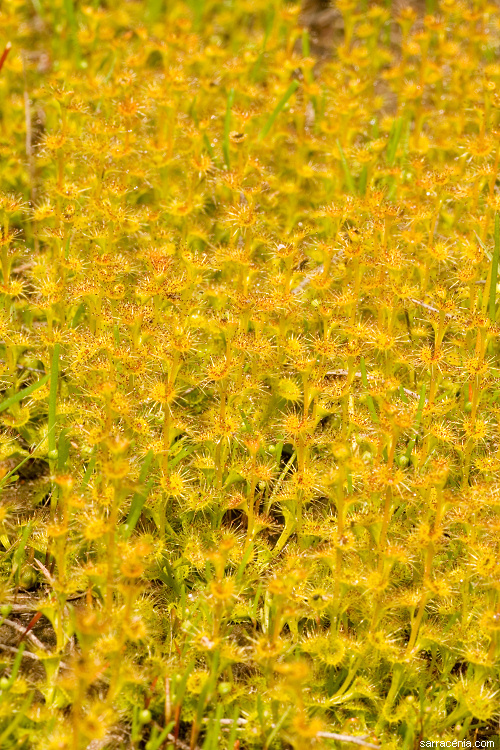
[[255, 603], [63, 449], [286, 96], [54, 376], [364, 378], [203, 700], [17, 718], [347, 172], [418, 419], [6, 478], [20, 553], [167, 575], [17, 664], [208, 146], [248, 426], [136, 508], [277, 728], [494, 270], [38, 8], [349, 483], [182, 454], [24, 392], [78, 314], [279, 451], [227, 127], [267, 33], [214, 739], [363, 179], [159, 741], [306, 47], [234, 727], [88, 472], [111, 69], [197, 8], [72, 27], [153, 11], [180, 688], [13, 471], [277, 486], [394, 139], [244, 562], [140, 497], [145, 466]]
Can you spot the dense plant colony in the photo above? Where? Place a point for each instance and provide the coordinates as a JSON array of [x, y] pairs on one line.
[[249, 341]]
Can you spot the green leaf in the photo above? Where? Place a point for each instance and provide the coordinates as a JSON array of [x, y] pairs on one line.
[[286, 96], [227, 127], [12, 474], [305, 43], [63, 449], [180, 455], [403, 395], [140, 497], [18, 556], [280, 479], [154, 8], [24, 392], [78, 314], [54, 374], [88, 472], [157, 743], [363, 179], [277, 728], [136, 507], [267, 33], [17, 664], [347, 172], [72, 27], [166, 574], [17, 718], [181, 685], [248, 426], [418, 419], [394, 138], [208, 146], [247, 555], [369, 399]]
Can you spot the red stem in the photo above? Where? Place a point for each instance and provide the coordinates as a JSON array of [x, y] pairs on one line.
[[4, 54]]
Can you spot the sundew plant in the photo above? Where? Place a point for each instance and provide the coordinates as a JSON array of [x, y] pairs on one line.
[[249, 341]]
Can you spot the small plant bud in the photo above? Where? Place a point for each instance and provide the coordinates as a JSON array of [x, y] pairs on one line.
[[28, 578], [224, 688]]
